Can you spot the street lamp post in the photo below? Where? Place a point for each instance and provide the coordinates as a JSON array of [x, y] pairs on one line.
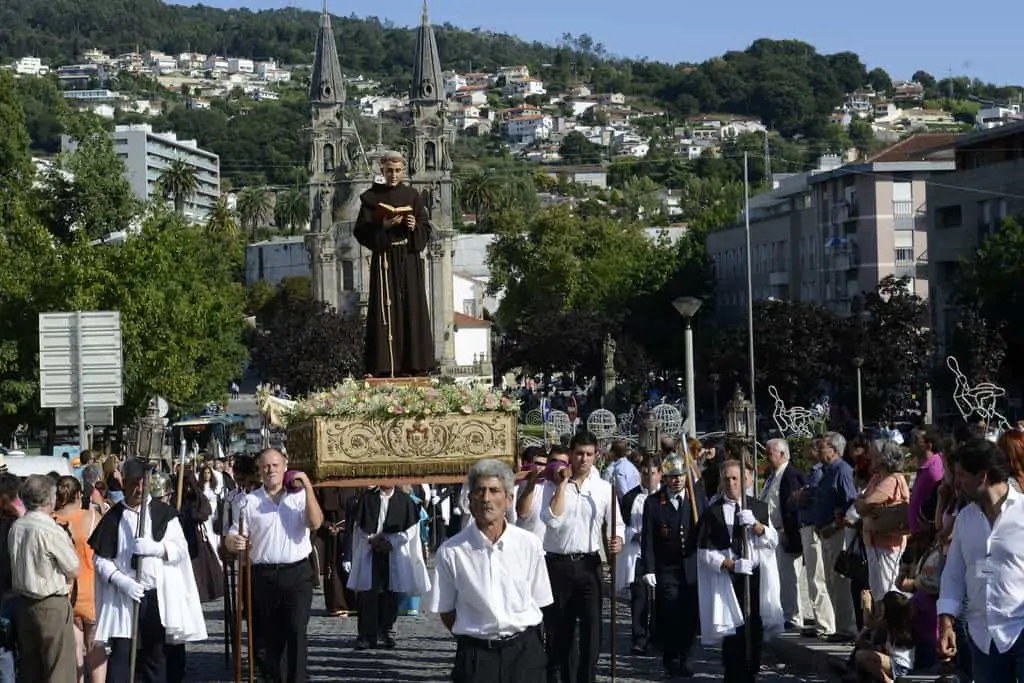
[[858, 363], [687, 306], [714, 377]]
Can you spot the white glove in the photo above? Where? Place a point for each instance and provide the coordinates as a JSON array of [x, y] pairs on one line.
[[147, 547], [746, 518], [435, 500], [650, 580], [347, 566], [743, 566], [128, 586]]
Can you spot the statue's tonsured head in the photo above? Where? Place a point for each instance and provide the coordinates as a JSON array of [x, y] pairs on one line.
[[392, 167]]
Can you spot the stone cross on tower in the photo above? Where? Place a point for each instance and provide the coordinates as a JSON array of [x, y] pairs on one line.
[[431, 137]]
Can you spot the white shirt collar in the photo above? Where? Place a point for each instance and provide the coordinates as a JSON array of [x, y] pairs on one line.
[[483, 542]]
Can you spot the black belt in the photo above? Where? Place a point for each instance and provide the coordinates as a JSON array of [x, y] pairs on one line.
[[270, 566], [494, 643], [572, 557], [29, 598]]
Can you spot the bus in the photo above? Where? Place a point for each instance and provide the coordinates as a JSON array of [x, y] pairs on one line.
[[226, 428]]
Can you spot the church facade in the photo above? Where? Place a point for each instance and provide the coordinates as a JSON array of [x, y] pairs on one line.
[[340, 171]]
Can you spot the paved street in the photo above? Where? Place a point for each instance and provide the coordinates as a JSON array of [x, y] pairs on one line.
[[425, 653]]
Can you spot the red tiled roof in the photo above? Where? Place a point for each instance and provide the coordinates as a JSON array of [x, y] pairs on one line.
[[464, 321], [914, 148]]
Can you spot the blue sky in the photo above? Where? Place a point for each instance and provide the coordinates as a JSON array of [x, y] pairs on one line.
[[898, 36]]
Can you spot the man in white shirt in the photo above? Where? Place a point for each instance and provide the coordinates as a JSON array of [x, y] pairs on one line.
[[275, 524], [630, 569], [492, 584], [983, 567], [575, 506], [783, 480], [621, 472], [528, 500]]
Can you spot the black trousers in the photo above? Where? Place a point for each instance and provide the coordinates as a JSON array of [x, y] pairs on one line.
[[739, 667], [175, 655], [678, 608], [576, 585], [151, 662], [282, 596], [378, 607], [641, 608], [519, 660]]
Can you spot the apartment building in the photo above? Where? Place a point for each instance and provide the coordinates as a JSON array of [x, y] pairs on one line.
[[147, 154], [831, 234], [969, 204], [872, 221]]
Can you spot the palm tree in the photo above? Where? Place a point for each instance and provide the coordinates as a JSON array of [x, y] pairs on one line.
[[291, 210], [222, 220], [180, 182], [253, 209], [479, 191]]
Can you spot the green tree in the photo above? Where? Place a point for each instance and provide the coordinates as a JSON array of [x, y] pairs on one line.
[[222, 219], [85, 189], [16, 170], [253, 209], [291, 210], [862, 136], [879, 79], [179, 182], [577, 149]]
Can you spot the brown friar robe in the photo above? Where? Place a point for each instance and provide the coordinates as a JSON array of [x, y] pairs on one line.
[[398, 336]]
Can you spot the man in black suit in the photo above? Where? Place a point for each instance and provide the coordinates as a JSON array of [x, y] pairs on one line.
[[632, 517], [724, 528], [785, 480], [668, 556]]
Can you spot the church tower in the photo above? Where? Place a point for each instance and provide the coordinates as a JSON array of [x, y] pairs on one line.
[[330, 136], [431, 137]]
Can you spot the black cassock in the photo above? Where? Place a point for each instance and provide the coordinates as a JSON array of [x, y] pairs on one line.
[[398, 336]]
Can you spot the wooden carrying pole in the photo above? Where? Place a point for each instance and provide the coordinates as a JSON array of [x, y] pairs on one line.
[[243, 603], [688, 461], [612, 562]]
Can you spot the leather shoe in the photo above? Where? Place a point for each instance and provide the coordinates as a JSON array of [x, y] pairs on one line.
[[363, 644], [638, 650], [390, 643]]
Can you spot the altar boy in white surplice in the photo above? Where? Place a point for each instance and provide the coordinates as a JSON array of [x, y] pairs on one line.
[[169, 608], [724, 564]]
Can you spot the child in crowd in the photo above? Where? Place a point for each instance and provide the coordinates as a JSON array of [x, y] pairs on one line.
[[885, 653]]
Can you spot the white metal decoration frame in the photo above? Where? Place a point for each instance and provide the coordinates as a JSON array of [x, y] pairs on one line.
[[796, 421], [978, 400]]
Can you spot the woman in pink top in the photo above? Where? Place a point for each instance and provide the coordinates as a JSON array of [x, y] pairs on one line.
[[887, 487]]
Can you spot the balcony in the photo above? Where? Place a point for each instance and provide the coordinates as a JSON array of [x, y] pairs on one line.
[[779, 278]]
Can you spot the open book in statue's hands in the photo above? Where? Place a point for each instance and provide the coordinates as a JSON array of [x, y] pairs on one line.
[[386, 212]]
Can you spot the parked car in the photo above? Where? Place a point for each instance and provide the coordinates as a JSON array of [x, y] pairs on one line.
[[25, 465]]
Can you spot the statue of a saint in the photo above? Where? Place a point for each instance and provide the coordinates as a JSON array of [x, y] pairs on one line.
[[609, 354], [393, 224]]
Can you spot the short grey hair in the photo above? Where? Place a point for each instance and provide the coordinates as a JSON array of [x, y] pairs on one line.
[[37, 492], [891, 456], [782, 445], [837, 441], [486, 469], [392, 157]]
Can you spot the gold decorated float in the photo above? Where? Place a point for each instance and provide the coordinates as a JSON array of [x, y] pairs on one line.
[[416, 430]]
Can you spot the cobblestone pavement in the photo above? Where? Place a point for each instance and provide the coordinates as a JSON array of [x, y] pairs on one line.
[[425, 653]]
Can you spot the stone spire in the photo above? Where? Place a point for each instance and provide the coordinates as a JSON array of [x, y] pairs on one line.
[[326, 85], [427, 83]]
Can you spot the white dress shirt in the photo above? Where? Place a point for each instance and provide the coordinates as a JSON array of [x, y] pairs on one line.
[[578, 528], [769, 539], [983, 566], [278, 532], [495, 589], [531, 521]]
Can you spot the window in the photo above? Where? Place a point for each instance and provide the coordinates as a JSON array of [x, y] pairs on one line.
[[904, 256], [949, 216], [328, 158], [348, 279], [469, 307]]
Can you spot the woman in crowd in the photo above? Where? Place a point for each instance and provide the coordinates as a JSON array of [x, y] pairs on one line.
[[80, 523], [10, 511], [888, 652], [195, 512], [887, 488], [208, 487]]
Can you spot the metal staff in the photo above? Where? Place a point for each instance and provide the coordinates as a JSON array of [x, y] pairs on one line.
[[181, 476], [740, 505], [229, 589], [688, 462], [139, 533], [612, 561]]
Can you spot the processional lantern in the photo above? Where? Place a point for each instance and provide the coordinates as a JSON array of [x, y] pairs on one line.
[[740, 417], [149, 433]]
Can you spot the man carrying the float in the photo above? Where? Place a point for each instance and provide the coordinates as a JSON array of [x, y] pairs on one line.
[[387, 559], [153, 569], [737, 552], [394, 226]]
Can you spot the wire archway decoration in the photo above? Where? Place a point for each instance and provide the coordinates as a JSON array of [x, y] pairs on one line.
[[796, 421], [978, 400]]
